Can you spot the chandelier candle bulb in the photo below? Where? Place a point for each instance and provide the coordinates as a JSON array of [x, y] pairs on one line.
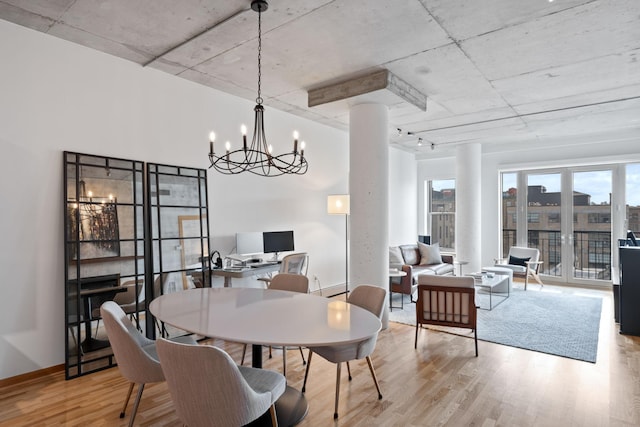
[[295, 142], [212, 138], [302, 144], [243, 130]]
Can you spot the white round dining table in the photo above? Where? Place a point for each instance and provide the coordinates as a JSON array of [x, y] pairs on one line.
[[267, 317]]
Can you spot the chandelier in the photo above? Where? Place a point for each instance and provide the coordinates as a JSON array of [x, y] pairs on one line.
[[258, 158]]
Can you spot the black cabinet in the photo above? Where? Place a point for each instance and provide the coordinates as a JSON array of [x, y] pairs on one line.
[[630, 290]]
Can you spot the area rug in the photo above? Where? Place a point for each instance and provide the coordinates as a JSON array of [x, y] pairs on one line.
[[554, 323]]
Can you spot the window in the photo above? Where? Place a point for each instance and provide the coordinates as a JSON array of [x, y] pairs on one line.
[[599, 218], [442, 212], [633, 197], [533, 217]]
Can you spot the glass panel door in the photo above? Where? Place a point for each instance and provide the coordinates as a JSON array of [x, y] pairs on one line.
[[592, 225], [544, 220]]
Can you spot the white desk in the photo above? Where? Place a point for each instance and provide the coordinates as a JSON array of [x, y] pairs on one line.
[[267, 317], [238, 273]]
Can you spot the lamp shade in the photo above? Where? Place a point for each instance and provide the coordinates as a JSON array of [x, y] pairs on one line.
[[338, 204]]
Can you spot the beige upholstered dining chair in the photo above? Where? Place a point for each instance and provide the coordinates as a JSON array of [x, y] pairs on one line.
[[135, 353], [525, 262], [446, 301], [297, 263], [370, 298], [208, 389], [285, 282]]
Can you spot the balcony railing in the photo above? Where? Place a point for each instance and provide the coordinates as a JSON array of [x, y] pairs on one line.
[[592, 252]]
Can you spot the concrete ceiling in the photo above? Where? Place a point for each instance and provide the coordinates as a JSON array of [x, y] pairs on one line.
[[503, 73]]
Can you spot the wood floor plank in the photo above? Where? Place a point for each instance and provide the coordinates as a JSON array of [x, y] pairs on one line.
[[439, 384]]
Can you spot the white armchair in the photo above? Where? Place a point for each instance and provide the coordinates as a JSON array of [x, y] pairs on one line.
[[524, 262]]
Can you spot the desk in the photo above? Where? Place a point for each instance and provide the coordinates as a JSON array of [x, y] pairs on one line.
[[267, 317], [238, 273]]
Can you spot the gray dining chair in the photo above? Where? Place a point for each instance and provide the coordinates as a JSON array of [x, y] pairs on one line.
[[292, 283], [370, 298], [135, 353], [208, 389]]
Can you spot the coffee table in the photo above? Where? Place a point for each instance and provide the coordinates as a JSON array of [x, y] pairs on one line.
[[486, 282]]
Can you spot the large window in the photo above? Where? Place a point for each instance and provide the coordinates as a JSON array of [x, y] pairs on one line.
[[442, 212], [633, 197]]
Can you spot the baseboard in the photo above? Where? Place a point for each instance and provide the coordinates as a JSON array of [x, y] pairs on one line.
[[330, 291], [31, 375]]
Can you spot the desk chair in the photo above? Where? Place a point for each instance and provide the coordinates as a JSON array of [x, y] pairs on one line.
[[292, 283], [135, 353], [297, 263], [370, 298], [208, 389]]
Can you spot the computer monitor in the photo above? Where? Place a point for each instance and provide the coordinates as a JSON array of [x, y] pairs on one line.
[[249, 243], [277, 241]]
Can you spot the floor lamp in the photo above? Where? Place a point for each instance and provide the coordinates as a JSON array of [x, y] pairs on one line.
[[339, 205]]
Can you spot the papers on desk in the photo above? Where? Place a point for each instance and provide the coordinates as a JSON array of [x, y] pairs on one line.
[[237, 268]]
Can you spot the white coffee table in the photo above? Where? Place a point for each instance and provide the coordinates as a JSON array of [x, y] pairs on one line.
[[487, 282]]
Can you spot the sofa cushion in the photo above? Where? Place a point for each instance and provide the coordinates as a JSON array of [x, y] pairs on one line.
[[395, 255], [410, 254], [429, 254], [518, 261]]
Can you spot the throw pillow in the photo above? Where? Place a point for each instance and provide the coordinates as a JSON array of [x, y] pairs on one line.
[[429, 254], [518, 261], [395, 255]]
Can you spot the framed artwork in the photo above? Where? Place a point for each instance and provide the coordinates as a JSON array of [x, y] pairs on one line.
[[95, 222]]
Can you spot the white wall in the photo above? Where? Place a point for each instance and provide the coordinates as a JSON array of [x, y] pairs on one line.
[[58, 96], [403, 200]]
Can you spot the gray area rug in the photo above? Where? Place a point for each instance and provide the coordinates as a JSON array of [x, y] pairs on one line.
[[553, 323]]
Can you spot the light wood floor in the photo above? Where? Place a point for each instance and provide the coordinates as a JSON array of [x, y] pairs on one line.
[[440, 384]]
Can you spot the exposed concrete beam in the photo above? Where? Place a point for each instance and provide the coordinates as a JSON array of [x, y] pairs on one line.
[[372, 82]]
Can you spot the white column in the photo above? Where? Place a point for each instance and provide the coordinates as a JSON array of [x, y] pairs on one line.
[[469, 206], [369, 189]]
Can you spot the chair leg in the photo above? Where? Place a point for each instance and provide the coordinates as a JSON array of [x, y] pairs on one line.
[[244, 352], [274, 418], [284, 361], [335, 412], [135, 405], [306, 372], [415, 342], [475, 337], [349, 371], [304, 362], [538, 279], [373, 374], [269, 352], [126, 401]]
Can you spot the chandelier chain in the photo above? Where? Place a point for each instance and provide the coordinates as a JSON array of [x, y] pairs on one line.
[[259, 98], [257, 157]]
